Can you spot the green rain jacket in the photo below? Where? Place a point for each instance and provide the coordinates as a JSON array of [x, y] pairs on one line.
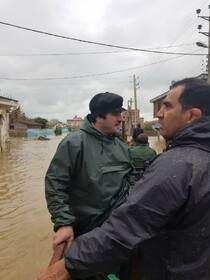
[[142, 154], [88, 177]]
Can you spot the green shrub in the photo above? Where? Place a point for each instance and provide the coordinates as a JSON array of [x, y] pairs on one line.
[[148, 126], [58, 131]]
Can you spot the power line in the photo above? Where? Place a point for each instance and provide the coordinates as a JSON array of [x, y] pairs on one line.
[[88, 75], [184, 29], [85, 53], [62, 54], [92, 42]]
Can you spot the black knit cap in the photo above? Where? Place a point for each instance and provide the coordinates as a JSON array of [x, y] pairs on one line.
[[106, 102]]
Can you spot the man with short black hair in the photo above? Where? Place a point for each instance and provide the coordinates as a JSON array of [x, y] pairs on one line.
[[167, 214], [89, 175]]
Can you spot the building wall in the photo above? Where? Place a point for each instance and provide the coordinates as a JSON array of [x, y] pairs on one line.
[[75, 123], [18, 133], [19, 126], [4, 125], [132, 115], [157, 105], [5, 105], [131, 119]]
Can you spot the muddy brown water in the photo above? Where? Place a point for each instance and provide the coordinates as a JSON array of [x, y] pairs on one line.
[[25, 226]]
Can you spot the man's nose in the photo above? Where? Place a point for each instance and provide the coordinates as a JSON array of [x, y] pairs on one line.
[[120, 117], [160, 113]]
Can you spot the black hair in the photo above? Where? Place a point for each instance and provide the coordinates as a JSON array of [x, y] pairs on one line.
[[92, 117], [195, 94]]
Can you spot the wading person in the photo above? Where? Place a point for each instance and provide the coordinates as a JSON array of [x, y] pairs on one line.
[[167, 214], [136, 132], [89, 175]]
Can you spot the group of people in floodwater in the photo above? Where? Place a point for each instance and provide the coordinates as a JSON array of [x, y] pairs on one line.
[[154, 227]]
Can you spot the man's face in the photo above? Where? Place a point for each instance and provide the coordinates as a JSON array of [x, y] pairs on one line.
[[171, 117], [111, 123]]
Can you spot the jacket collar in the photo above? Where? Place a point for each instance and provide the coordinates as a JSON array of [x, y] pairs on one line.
[[195, 134]]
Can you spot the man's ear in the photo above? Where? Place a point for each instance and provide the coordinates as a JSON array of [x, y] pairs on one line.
[[99, 119], [195, 114]]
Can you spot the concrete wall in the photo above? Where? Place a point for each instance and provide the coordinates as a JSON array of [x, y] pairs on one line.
[[4, 131]]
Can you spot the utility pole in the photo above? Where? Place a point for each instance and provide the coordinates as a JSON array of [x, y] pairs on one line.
[[208, 35], [135, 98], [130, 101]]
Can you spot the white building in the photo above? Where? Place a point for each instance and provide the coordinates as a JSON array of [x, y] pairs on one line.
[[5, 105], [75, 123]]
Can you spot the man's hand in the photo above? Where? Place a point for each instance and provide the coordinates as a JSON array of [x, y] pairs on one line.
[[55, 272], [64, 233]]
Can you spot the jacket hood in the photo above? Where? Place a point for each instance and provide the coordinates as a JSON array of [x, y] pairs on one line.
[[195, 134]]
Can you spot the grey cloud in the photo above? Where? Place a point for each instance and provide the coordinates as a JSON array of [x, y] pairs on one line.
[[139, 24]]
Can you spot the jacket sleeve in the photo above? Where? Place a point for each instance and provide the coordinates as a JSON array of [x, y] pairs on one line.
[[152, 203], [57, 184]]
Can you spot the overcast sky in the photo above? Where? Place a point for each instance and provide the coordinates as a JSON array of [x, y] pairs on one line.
[[48, 74]]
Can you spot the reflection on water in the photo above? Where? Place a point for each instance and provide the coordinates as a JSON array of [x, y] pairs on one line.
[[157, 143], [26, 230]]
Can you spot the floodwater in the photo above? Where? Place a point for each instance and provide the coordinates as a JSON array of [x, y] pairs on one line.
[[25, 226]]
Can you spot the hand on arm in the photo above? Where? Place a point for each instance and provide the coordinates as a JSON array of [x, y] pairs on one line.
[[55, 272], [64, 234]]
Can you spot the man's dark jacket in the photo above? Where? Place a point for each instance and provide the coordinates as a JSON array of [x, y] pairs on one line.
[[166, 216]]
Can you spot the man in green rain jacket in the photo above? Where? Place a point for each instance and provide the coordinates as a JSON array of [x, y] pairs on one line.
[[89, 175], [141, 155]]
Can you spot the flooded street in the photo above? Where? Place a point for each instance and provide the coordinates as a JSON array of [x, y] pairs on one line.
[[25, 226]]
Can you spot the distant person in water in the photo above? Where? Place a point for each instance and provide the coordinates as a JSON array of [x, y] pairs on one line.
[[136, 132]]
